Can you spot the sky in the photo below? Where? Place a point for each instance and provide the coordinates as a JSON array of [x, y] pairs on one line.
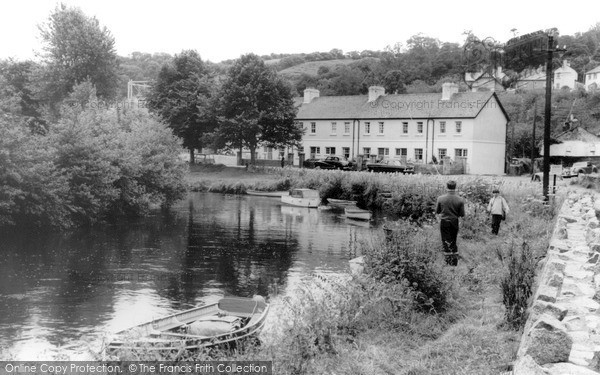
[[226, 29]]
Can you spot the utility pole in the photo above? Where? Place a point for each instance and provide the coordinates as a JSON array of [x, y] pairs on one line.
[[533, 140], [548, 112], [547, 115]]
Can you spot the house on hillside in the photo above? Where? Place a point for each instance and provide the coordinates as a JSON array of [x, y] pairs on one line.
[[592, 79], [565, 76], [486, 81], [574, 144], [420, 128], [532, 80]]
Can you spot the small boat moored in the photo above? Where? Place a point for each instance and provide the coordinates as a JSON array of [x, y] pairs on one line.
[[260, 193], [357, 213], [340, 202], [302, 198], [226, 321]]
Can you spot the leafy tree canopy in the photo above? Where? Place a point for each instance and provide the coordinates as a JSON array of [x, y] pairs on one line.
[[76, 49], [256, 107], [182, 97]]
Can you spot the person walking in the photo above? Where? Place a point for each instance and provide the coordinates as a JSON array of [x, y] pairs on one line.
[[499, 209], [282, 161], [450, 207]]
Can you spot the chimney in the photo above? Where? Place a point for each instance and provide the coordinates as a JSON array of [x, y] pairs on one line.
[[310, 94], [499, 72], [448, 89], [566, 64], [375, 92]]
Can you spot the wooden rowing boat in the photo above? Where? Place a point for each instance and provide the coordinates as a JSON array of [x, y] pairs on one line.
[[226, 321], [260, 193], [340, 202], [357, 213]]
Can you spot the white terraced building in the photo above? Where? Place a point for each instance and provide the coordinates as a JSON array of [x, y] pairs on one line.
[[414, 127]]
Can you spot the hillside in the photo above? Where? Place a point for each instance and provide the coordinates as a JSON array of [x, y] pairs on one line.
[[312, 67]]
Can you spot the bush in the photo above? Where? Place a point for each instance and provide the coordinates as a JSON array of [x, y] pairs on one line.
[[410, 256], [517, 284], [93, 164]]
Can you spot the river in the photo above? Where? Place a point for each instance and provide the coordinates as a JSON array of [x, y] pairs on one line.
[[62, 291]]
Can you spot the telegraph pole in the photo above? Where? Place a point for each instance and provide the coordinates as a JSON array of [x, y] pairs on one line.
[[547, 114]]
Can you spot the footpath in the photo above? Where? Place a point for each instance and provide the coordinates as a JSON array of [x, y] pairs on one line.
[[562, 333]]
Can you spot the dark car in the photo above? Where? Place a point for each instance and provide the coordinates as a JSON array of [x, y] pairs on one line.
[[333, 162], [310, 163], [391, 166]]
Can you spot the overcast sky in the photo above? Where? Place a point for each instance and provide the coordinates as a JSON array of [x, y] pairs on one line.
[[221, 30]]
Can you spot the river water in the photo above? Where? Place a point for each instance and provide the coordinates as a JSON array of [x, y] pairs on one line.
[[62, 291]]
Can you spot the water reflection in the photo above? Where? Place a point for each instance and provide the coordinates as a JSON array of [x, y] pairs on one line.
[[54, 289]]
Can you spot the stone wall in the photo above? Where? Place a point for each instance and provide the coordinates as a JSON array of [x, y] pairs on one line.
[[562, 333]]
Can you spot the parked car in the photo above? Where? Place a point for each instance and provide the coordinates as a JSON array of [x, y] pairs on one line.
[[333, 162], [580, 167], [391, 166], [310, 163]]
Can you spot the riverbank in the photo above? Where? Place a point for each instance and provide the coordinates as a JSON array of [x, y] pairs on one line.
[[471, 336]]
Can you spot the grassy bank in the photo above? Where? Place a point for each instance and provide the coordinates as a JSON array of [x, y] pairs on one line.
[[410, 314]]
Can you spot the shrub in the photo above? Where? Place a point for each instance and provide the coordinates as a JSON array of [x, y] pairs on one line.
[[410, 255], [92, 165], [517, 284]]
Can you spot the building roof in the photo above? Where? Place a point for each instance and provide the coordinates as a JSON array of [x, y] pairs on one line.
[[577, 134], [595, 70], [534, 77], [399, 106]]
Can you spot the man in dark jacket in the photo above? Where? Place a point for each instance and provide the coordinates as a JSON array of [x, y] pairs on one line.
[[450, 207]]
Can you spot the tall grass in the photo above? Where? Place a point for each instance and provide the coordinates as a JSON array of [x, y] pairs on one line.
[[410, 314]]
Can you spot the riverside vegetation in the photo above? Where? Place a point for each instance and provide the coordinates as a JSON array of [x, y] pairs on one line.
[[407, 313]]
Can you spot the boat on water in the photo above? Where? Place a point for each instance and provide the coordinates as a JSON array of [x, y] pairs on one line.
[[260, 193], [357, 213], [226, 321], [340, 202], [302, 198]]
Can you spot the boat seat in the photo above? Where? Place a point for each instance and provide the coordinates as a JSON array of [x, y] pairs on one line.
[[175, 323], [241, 307]]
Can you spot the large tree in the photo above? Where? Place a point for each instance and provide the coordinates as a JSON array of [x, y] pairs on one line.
[[76, 49], [256, 107], [182, 97]]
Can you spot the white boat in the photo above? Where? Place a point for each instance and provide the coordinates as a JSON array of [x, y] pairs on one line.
[[261, 193], [302, 198], [357, 213]]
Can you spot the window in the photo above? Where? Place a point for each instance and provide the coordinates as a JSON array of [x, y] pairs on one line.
[[367, 151], [419, 155], [405, 127], [460, 152], [314, 151], [313, 127], [381, 128], [442, 153], [401, 152], [419, 127], [346, 152], [330, 150], [383, 152], [458, 126], [346, 128], [442, 126], [367, 128], [333, 127]]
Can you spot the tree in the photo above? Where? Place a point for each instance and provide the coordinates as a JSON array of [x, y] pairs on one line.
[[182, 97], [76, 49], [256, 107]]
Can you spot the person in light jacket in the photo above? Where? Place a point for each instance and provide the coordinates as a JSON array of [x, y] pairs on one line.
[[498, 208]]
